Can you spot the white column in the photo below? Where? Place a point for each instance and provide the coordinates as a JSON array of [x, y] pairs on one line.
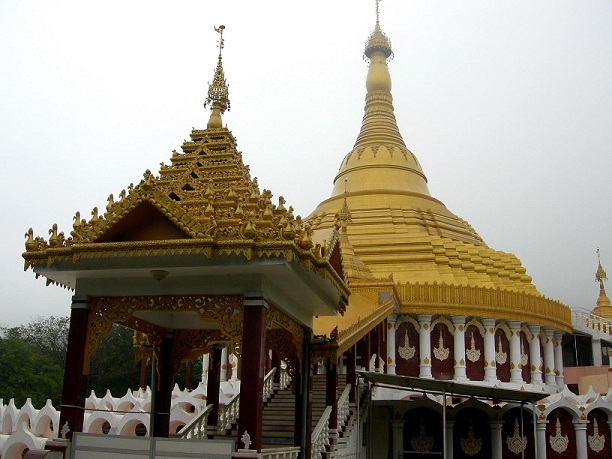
[[581, 439], [535, 355], [450, 425], [459, 345], [425, 345], [391, 348], [398, 438], [223, 365], [549, 357], [205, 365], [496, 439], [596, 344], [541, 439], [515, 352], [559, 358], [490, 365]]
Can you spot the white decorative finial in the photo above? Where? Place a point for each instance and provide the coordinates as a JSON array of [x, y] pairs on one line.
[[377, 11], [246, 439]]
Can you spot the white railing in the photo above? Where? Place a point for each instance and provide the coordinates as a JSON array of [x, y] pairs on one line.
[[228, 413], [285, 379], [196, 428], [583, 319], [290, 452], [343, 407], [320, 435], [268, 385]]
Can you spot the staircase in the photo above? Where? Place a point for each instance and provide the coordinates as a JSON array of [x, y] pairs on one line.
[[279, 412], [278, 420]]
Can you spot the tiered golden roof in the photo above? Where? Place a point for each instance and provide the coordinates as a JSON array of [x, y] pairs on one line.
[[203, 203], [399, 231]]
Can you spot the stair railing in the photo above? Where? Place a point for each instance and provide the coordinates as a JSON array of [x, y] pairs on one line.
[[268, 384], [320, 435], [285, 379], [343, 408], [228, 413], [196, 428], [290, 452]]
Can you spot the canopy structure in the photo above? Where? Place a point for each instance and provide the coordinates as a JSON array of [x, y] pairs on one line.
[[438, 387]]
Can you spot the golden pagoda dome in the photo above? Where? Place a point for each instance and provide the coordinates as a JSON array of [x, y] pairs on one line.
[[604, 307], [400, 231]]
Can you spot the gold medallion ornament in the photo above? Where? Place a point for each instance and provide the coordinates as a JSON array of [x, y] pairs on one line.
[[516, 443], [441, 352], [558, 443], [406, 351], [471, 445], [596, 441], [422, 443], [472, 353], [500, 356]]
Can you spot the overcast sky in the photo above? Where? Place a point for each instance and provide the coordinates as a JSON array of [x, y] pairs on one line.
[[507, 105]]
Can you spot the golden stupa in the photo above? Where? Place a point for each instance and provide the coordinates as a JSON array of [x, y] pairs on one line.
[[393, 229]]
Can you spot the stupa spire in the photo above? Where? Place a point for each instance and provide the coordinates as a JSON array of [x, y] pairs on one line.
[[218, 90], [380, 159], [601, 277]]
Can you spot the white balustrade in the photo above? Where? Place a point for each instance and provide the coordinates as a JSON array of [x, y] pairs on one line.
[[196, 428], [343, 407], [320, 435], [268, 385], [228, 413], [290, 452]]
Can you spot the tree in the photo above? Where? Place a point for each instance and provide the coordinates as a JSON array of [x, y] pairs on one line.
[[48, 334], [112, 365], [26, 372]]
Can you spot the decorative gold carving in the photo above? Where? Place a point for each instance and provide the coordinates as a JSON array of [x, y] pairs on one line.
[[441, 352], [596, 441], [406, 351], [516, 444], [471, 445], [524, 356], [422, 443], [501, 357], [224, 310], [558, 442], [472, 353], [483, 302]]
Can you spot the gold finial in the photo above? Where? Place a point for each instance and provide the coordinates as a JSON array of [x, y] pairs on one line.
[[378, 41], [218, 90], [600, 275]]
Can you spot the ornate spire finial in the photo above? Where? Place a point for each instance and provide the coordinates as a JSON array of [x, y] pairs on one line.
[[218, 90], [378, 41], [600, 275]]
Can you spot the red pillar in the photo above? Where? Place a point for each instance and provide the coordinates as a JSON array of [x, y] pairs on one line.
[[213, 386], [350, 372], [253, 366], [75, 382], [143, 373], [163, 389], [188, 367]]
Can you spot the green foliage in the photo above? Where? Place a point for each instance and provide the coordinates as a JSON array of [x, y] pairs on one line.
[[112, 366], [27, 372], [33, 357], [48, 334]]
